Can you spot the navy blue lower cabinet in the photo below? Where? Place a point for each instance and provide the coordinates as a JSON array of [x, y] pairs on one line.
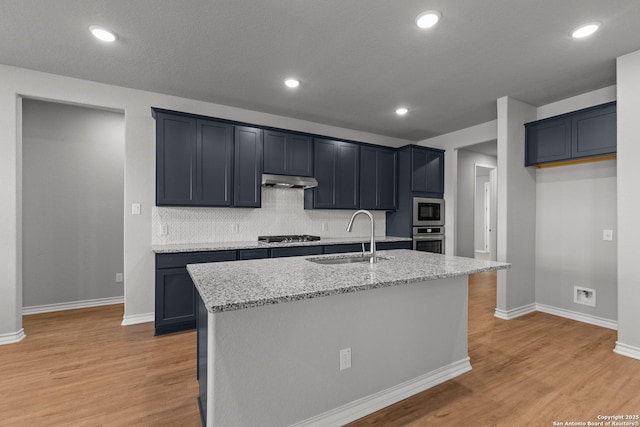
[[175, 301], [176, 295]]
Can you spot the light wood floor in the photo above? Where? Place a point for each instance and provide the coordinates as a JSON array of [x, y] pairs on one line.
[[81, 368]]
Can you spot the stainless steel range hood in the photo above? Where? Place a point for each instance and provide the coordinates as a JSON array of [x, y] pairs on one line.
[[285, 181]]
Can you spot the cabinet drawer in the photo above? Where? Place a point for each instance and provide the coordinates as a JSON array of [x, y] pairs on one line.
[[296, 251], [175, 260], [340, 249], [387, 246], [253, 254]]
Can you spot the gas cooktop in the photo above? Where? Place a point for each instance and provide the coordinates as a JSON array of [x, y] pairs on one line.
[[289, 238]]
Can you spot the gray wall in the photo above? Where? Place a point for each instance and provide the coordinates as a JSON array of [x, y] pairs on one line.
[[573, 205], [73, 203], [465, 236], [516, 211], [628, 70]]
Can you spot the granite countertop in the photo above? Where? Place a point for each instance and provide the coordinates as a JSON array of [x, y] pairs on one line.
[[226, 286], [223, 246]]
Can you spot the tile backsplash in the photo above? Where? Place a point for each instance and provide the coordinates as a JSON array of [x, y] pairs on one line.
[[282, 212]]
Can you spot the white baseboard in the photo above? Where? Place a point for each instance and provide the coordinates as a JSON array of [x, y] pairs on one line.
[[367, 405], [515, 312], [580, 317], [627, 350], [134, 319], [48, 308], [12, 337]]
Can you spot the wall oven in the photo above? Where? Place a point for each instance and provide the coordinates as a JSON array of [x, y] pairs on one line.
[[428, 239], [428, 212]]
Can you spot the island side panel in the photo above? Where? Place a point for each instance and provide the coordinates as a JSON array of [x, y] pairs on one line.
[[202, 321], [278, 365]]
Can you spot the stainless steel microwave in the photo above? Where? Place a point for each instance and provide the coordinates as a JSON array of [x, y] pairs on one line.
[[428, 212]]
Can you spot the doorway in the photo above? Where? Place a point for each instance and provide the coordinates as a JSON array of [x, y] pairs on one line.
[[72, 206], [485, 208]]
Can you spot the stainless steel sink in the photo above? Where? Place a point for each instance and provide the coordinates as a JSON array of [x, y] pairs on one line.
[[343, 260]]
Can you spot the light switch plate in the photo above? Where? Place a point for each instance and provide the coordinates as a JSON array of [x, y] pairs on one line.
[[135, 209], [607, 235]]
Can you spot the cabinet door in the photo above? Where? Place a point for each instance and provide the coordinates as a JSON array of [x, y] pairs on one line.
[[593, 132], [369, 194], [275, 159], [175, 160], [299, 155], [378, 178], [324, 163], [347, 181], [387, 179], [175, 300], [427, 170], [435, 172], [287, 154], [548, 141], [247, 163], [214, 154]]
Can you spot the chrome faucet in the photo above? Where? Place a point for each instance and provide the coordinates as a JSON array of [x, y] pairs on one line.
[[373, 258]]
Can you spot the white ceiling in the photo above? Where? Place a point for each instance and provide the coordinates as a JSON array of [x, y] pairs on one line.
[[357, 59]]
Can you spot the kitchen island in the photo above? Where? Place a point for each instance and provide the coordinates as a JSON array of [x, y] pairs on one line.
[[271, 331]]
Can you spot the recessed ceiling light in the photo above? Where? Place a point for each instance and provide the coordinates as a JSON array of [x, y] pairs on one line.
[[401, 111], [585, 30], [292, 83], [428, 19], [103, 34]]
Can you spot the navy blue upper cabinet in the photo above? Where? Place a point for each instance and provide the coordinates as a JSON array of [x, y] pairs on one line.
[[213, 171], [247, 167], [175, 160], [337, 168], [594, 132], [585, 133], [427, 170], [378, 178], [201, 162], [548, 141], [287, 154]]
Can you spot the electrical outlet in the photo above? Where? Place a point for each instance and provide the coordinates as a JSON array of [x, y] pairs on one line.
[[345, 358], [235, 228], [135, 209], [607, 235], [119, 277], [164, 230]]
